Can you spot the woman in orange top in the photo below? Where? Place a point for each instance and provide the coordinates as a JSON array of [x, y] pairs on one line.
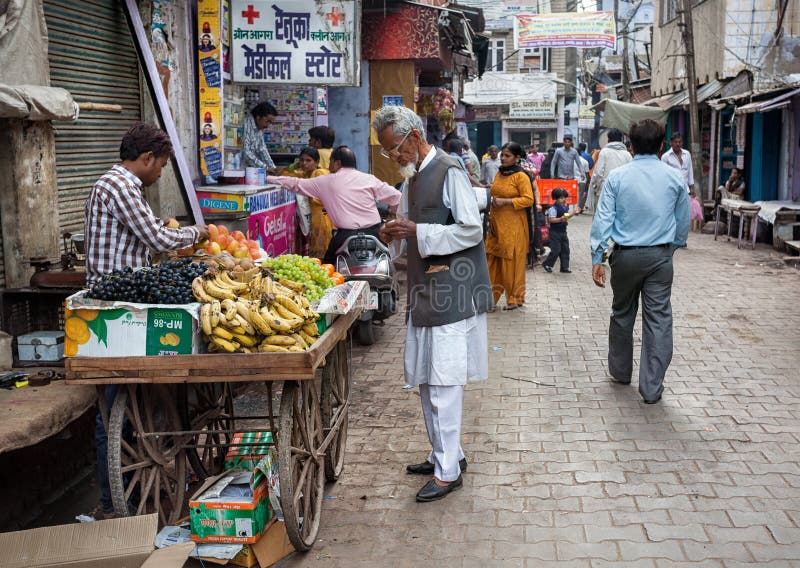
[[508, 239], [321, 227]]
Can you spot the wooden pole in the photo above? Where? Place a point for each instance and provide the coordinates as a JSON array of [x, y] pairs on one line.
[[687, 32]]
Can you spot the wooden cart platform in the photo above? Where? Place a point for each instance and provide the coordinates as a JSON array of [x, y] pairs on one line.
[[170, 422]]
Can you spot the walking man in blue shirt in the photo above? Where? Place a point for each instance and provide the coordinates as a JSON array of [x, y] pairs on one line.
[[644, 209]]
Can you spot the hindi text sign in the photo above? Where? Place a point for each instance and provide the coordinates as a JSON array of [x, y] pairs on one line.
[[571, 29], [299, 41]]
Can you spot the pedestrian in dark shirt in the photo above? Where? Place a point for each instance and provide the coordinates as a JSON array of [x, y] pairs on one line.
[[558, 217]]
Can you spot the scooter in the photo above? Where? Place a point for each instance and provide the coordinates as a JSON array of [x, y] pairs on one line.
[[365, 257]]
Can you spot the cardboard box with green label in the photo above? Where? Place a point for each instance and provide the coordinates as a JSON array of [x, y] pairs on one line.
[[96, 328], [234, 507]]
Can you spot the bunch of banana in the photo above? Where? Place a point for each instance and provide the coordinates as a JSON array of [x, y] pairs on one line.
[[251, 312]]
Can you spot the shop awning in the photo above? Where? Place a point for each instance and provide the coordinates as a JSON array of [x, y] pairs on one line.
[[618, 114], [774, 103], [34, 102], [682, 99]]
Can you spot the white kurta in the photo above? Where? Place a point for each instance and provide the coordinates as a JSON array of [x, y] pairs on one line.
[[457, 353]]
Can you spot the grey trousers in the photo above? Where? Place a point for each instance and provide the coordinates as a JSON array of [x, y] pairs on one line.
[[646, 272]]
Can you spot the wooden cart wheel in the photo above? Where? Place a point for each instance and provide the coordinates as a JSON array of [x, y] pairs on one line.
[[335, 394], [146, 474], [301, 470], [207, 406]]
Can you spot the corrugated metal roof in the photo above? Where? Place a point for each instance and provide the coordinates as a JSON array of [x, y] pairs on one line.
[[682, 99], [774, 103]]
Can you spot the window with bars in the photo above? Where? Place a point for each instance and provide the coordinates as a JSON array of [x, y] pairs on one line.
[[669, 10], [534, 59], [497, 54]]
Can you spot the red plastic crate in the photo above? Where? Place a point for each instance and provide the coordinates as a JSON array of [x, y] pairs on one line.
[[546, 187]]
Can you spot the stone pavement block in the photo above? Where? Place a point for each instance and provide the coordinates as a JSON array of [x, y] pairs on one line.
[[633, 533], [571, 533], [495, 534], [670, 549], [741, 534], [606, 476], [621, 518], [642, 563], [540, 550], [592, 550], [725, 551], [658, 532], [664, 563], [784, 535]]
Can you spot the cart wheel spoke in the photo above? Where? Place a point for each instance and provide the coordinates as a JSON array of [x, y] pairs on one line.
[[335, 393], [142, 469], [207, 406], [300, 470]]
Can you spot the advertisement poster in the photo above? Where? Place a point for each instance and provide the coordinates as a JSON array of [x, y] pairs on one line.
[[299, 41], [572, 29], [271, 221], [209, 57]]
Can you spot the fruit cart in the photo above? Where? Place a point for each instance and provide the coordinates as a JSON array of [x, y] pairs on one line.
[[173, 414]]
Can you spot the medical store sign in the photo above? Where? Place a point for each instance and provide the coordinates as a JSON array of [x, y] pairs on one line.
[[298, 41]]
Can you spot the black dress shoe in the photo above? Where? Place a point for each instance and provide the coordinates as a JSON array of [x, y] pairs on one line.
[[652, 400], [567, 271], [619, 381], [432, 491], [426, 467]]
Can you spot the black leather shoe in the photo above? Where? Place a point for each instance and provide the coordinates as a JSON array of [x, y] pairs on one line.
[[567, 271], [652, 401], [432, 491], [426, 467], [619, 381]]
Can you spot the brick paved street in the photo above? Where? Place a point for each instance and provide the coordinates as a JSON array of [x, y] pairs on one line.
[[567, 468]]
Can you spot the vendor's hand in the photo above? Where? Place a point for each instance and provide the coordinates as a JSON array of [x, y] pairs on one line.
[[599, 275], [401, 229], [203, 233], [385, 235]]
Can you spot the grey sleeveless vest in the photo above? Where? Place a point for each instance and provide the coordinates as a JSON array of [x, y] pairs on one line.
[[440, 298]]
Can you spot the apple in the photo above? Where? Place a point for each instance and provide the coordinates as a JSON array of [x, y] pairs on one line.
[[223, 230], [255, 253], [213, 231], [241, 252], [238, 236], [213, 249], [172, 223], [232, 246]]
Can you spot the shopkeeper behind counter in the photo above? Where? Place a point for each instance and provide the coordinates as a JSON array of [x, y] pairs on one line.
[[121, 230], [255, 150]]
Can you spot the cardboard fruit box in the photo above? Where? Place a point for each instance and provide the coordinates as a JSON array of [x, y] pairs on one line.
[[256, 446], [234, 507], [96, 328]]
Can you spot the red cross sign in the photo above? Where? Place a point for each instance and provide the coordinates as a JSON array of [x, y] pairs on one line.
[[251, 14], [334, 16]]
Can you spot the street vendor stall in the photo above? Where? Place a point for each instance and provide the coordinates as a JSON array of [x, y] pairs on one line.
[[174, 414]]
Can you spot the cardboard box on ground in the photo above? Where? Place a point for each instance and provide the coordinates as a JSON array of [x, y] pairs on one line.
[[122, 543]]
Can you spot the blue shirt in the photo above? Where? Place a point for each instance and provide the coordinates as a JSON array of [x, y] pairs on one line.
[[642, 203]]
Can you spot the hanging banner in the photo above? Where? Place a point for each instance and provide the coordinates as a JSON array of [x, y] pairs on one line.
[[209, 58], [295, 41], [571, 29]]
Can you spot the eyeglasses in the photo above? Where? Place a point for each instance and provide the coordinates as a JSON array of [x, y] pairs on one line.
[[390, 154]]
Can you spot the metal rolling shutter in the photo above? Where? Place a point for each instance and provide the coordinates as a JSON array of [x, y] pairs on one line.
[[92, 56]]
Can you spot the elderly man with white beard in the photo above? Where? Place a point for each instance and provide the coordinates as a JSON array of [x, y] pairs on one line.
[[449, 291]]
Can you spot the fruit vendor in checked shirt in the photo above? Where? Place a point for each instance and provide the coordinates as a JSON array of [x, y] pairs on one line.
[[121, 230]]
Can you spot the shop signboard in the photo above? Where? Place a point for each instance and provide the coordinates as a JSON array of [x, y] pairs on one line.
[[271, 221], [586, 117], [295, 41], [209, 57], [532, 109], [487, 113], [570, 29]]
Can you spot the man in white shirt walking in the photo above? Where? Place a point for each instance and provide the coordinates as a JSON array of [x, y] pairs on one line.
[[680, 159]]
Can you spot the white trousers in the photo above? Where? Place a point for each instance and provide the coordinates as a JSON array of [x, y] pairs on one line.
[[441, 407]]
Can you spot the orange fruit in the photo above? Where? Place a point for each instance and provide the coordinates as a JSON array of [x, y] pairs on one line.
[[88, 315], [70, 347], [76, 329]]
